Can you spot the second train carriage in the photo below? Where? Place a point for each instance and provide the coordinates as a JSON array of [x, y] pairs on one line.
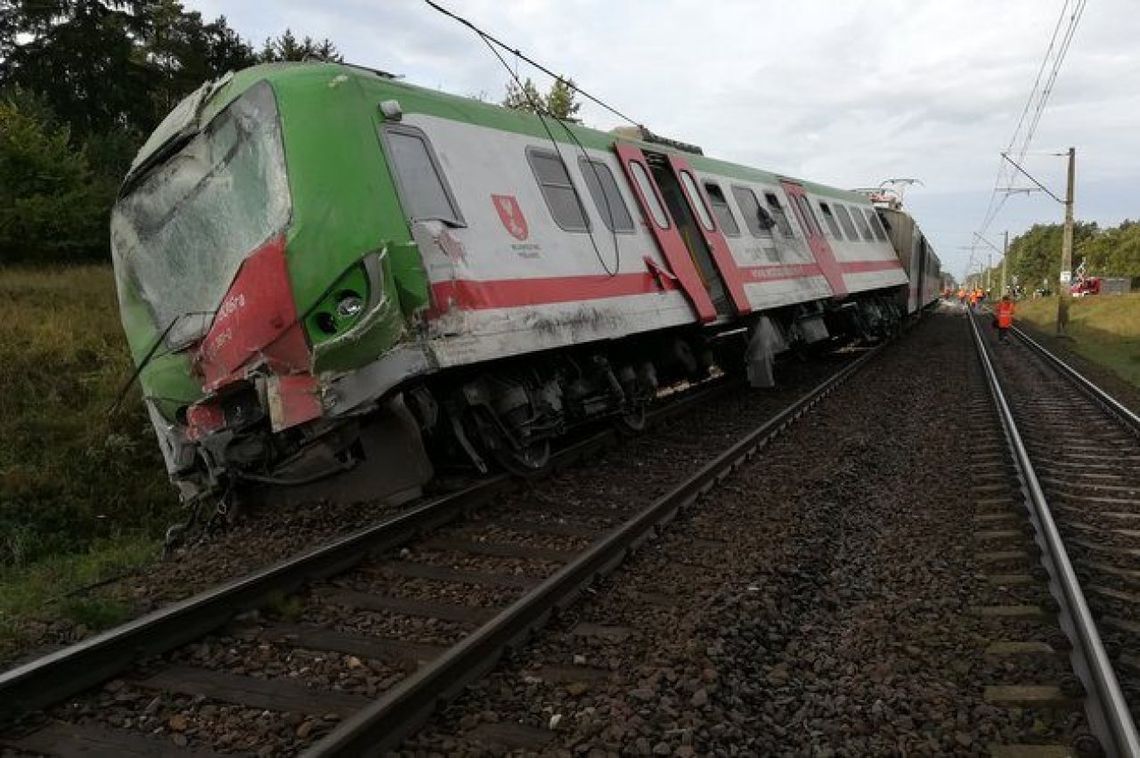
[[320, 266], [923, 269]]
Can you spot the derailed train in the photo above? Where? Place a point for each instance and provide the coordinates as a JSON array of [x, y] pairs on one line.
[[323, 270]]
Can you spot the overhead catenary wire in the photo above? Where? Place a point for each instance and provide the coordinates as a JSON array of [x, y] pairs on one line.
[[1043, 84], [995, 205], [997, 200], [542, 112], [519, 54]]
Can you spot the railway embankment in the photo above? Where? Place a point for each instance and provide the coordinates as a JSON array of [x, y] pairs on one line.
[[1103, 338], [376, 621], [837, 595], [43, 617], [850, 571]]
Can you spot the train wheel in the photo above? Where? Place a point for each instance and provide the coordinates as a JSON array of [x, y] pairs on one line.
[[526, 461], [633, 422]]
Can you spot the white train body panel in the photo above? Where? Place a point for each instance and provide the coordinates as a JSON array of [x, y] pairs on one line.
[[512, 281]]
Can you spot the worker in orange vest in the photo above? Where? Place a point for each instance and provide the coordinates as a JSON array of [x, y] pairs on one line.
[[1003, 318]]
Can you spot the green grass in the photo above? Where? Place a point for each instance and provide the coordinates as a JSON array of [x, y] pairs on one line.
[[82, 492], [51, 588], [1104, 328]]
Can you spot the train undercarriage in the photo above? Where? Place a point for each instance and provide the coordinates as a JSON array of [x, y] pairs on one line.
[[509, 414]]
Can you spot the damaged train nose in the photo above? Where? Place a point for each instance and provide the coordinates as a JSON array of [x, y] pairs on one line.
[[255, 358]]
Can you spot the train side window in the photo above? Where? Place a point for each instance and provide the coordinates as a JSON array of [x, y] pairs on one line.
[[846, 223], [600, 182], [558, 191], [808, 214], [758, 220], [876, 225], [420, 180], [829, 217], [721, 209], [779, 214], [652, 202], [697, 200], [861, 222]]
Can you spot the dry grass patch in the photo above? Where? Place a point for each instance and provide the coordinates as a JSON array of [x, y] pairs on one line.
[[82, 492], [1104, 328]]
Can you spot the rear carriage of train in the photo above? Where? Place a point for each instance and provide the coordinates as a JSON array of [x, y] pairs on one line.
[[318, 249], [922, 266]]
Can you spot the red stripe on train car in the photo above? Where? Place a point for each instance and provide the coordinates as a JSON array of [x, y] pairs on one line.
[[513, 293], [862, 267], [470, 294]]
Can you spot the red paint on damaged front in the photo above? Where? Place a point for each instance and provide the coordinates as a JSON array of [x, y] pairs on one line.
[[203, 419], [256, 321], [257, 326]]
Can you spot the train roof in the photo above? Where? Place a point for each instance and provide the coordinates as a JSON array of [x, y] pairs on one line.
[[201, 106]]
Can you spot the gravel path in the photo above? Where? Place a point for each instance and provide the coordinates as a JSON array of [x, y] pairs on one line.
[[828, 599]]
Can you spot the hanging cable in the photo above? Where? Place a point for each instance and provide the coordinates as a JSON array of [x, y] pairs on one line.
[[492, 40], [1035, 104], [538, 109]]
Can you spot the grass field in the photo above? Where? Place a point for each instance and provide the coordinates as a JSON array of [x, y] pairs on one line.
[[1104, 328], [83, 493]]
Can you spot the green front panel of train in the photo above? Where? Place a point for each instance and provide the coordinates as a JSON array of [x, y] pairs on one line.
[[348, 235], [345, 232]]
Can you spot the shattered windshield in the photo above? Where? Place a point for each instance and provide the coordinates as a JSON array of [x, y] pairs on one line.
[[180, 235]]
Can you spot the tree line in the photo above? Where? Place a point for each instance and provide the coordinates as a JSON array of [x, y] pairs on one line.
[[82, 83], [1034, 257]]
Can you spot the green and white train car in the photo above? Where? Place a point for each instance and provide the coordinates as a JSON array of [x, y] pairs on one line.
[[322, 268]]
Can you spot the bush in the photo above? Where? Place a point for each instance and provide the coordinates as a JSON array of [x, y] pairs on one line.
[[52, 208]]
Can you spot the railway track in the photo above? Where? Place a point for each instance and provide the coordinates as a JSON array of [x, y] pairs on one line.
[[1065, 461], [465, 576]]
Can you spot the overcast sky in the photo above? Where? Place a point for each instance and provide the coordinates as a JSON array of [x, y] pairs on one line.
[[845, 93]]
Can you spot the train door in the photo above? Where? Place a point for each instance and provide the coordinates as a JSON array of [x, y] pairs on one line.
[[673, 227], [817, 243], [705, 241]]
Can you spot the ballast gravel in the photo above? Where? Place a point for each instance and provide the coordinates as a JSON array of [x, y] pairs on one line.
[[264, 535], [601, 491], [817, 603]]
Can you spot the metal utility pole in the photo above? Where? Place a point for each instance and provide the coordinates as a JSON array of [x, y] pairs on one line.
[[1004, 258], [1067, 249], [989, 271], [1066, 239]]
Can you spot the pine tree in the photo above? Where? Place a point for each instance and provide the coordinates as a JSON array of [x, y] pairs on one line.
[[51, 207], [558, 102]]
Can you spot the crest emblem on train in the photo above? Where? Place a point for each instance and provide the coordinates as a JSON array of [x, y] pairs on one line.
[[511, 215]]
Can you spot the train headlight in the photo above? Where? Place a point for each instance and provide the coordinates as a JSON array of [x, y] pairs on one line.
[[349, 305], [351, 301]]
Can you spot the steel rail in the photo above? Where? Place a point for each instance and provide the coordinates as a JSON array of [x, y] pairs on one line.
[[382, 725], [66, 672], [59, 675], [1106, 708], [1111, 404]]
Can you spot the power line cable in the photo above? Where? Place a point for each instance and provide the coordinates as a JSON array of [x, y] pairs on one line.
[[539, 109], [1055, 55], [994, 205], [1070, 32], [515, 51]]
